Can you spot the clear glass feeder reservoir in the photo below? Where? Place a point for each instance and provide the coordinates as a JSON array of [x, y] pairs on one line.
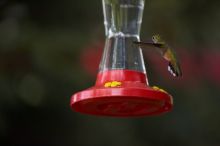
[[121, 88]]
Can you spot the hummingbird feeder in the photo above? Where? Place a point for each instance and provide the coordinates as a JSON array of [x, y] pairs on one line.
[[121, 87]]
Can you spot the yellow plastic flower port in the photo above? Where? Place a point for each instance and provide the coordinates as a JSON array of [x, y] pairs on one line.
[[159, 89], [112, 84]]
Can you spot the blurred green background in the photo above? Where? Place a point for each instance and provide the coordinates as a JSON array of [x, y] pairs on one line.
[[50, 49]]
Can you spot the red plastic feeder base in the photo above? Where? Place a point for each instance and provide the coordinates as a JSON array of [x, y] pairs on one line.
[[121, 93]]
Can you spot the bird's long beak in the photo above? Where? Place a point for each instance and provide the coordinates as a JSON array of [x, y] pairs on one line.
[[147, 44]]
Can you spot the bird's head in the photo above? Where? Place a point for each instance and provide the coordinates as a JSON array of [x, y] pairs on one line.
[[156, 38]]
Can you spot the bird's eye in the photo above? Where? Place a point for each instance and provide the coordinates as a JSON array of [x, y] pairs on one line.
[[153, 37]]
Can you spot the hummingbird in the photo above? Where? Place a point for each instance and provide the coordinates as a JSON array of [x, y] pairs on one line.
[[166, 52]]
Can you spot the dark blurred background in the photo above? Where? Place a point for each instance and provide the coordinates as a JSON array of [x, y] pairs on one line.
[[50, 49]]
